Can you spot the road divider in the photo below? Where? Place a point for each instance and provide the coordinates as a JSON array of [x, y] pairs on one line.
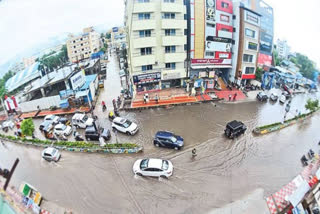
[[277, 126], [117, 148]]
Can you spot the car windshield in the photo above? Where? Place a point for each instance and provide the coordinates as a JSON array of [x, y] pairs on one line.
[[144, 163], [63, 127], [165, 165], [173, 139], [127, 123]]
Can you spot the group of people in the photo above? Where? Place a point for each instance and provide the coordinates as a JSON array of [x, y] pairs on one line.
[[234, 97], [146, 98]]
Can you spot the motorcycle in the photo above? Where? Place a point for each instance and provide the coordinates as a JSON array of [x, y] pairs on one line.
[[104, 107], [310, 154], [304, 160]]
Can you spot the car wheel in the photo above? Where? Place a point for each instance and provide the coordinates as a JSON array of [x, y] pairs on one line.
[[128, 133], [76, 126], [114, 129], [157, 144], [163, 176], [87, 138], [139, 174], [176, 148]]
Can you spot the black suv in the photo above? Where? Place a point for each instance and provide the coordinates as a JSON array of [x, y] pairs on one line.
[[168, 139], [92, 134], [261, 96], [234, 129]]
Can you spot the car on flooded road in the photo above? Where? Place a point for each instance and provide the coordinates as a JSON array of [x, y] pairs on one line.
[[153, 167], [51, 154], [168, 140], [62, 129], [261, 96], [234, 129], [124, 125]]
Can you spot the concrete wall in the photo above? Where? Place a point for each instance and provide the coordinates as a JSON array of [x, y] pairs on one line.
[[43, 103]]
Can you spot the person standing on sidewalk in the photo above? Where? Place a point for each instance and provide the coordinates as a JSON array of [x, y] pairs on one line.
[[230, 97], [235, 97], [157, 98]]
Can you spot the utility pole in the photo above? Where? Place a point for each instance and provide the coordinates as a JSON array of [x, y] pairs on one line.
[[8, 174]]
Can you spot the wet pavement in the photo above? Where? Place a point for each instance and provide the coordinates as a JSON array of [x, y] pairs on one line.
[[224, 170]]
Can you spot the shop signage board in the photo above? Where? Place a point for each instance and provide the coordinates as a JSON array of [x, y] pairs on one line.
[[78, 80], [211, 61], [218, 46], [169, 75], [202, 74], [147, 78], [211, 74]]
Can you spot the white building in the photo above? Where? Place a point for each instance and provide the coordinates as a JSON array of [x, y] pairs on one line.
[[283, 48]]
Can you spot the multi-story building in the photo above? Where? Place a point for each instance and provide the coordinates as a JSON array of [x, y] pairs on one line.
[[211, 34], [156, 36], [247, 24], [283, 48], [18, 66], [29, 61], [82, 46], [118, 37]]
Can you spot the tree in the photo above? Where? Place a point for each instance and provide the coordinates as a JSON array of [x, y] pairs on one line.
[[259, 73], [108, 35], [307, 66], [103, 50], [276, 58], [27, 127], [312, 105]]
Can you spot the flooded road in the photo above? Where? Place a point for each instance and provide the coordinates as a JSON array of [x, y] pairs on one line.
[[223, 171]]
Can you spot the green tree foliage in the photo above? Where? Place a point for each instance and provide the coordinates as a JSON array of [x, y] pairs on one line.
[[312, 105], [108, 35], [27, 127], [3, 80], [53, 60], [294, 60], [259, 73], [103, 50], [276, 58], [307, 66]]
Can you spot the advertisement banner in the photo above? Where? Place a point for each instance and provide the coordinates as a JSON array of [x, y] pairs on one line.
[[266, 43], [252, 18], [218, 46], [147, 78], [211, 61], [264, 59], [115, 29], [211, 10], [78, 80]]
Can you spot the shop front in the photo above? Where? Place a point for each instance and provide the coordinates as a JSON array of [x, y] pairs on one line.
[[147, 82], [209, 79], [170, 79]]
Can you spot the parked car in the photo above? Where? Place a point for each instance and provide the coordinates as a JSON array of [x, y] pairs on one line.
[[286, 94], [53, 118], [282, 99], [62, 129], [124, 125], [65, 121], [274, 97], [46, 125], [168, 139], [51, 154], [92, 134], [81, 121], [261, 96], [234, 129], [153, 167]]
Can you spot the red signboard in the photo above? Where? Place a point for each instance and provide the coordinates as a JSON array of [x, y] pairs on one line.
[[211, 61], [224, 27], [225, 5], [264, 59], [248, 76]]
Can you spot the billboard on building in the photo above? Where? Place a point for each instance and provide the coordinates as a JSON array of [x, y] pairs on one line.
[[78, 80], [211, 32], [264, 59], [115, 29]]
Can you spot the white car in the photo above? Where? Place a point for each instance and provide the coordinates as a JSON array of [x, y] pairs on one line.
[[124, 126], [282, 99], [51, 154], [153, 167], [62, 129], [81, 121], [53, 118]]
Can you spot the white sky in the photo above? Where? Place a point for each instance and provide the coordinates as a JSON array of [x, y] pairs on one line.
[[26, 23]]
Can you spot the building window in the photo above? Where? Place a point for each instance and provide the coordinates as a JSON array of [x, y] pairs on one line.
[[250, 33], [74, 46], [171, 65], [170, 32], [249, 70], [143, 1], [146, 51], [185, 16], [247, 58], [144, 16], [168, 15], [224, 5], [185, 32], [169, 1], [82, 49], [81, 44], [185, 47], [210, 53], [252, 46], [170, 49], [145, 33], [146, 67], [224, 18]]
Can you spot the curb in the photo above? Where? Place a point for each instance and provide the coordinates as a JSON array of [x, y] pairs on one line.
[[85, 150]]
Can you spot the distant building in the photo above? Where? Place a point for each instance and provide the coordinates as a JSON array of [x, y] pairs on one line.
[[56, 49], [283, 48], [29, 61], [18, 66], [118, 37], [82, 46]]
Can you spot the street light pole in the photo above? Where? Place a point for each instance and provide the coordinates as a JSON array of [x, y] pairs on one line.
[[8, 174]]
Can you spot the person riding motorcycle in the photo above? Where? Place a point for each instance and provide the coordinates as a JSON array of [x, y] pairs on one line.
[[111, 115], [104, 107], [194, 152]]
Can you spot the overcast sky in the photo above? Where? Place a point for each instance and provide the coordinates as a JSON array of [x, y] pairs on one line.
[[26, 23]]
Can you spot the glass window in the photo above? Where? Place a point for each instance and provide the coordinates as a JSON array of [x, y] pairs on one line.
[[224, 5], [168, 15], [143, 1], [145, 33], [224, 18], [144, 163], [185, 16], [247, 58], [145, 51], [210, 53], [170, 49], [169, 1], [252, 46], [249, 70], [171, 65], [165, 165], [170, 32], [146, 67], [250, 33], [144, 16]]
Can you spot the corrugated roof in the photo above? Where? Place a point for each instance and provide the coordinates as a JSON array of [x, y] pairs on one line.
[[89, 79]]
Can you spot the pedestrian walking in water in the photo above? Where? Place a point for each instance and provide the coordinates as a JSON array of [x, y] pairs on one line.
[[230, 97], [144, 99], [235, 97], [157, 98]]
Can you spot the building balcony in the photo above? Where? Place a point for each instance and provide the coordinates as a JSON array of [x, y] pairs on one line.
[[144, 24], [172, 7], [144, 7], [139, 60], [144, 42], [173, 24], [175, 57], [174, 40]]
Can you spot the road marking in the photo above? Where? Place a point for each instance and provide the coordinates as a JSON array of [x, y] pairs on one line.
[[126, 186]]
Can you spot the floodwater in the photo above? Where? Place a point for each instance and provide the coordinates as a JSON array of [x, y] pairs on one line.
[[224, 170]]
